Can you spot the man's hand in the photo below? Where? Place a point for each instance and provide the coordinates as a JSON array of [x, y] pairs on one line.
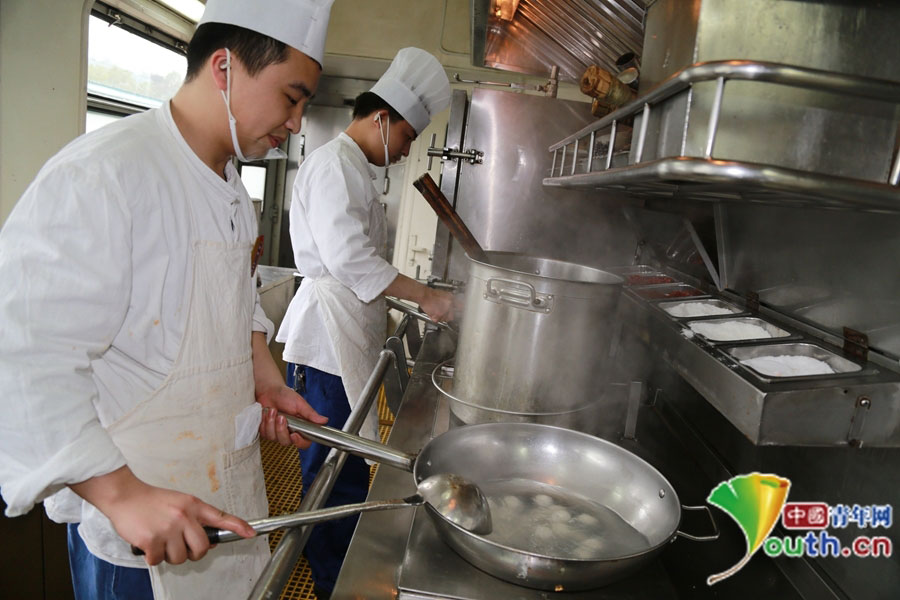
[[438, 304], [165, 524], [274, 426], [275, 396]]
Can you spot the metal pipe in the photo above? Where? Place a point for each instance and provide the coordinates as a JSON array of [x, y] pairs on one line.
[[704, 255], [895, 172], [590, 158], [278, 570], [714, 116], [612, 143], [642, 137], [575, 157]]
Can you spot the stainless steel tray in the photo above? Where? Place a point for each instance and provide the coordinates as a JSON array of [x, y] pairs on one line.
[[668, 291], [641, 275], [841, 366], [773, 330], [668, 305]]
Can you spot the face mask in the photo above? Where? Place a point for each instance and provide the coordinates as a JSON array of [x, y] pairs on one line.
[[385, 138], [273, 153]]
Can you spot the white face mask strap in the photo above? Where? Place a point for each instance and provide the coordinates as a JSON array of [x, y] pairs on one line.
[[226, 95], [385, 139]]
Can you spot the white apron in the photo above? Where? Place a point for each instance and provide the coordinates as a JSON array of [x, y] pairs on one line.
[[357, 329], [183, 436]]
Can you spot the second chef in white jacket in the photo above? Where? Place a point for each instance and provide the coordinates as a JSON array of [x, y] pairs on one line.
[[336, 324]]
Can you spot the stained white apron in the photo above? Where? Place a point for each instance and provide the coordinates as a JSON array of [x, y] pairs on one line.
[[357, 329], [183, 436], [357, 333]]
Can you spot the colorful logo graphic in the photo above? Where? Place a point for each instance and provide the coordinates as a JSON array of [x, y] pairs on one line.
[[754, 501]]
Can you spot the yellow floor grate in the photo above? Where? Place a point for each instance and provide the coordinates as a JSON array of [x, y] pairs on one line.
[[281, 468]]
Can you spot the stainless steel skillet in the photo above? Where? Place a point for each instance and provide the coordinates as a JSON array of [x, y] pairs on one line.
[[570, 511]]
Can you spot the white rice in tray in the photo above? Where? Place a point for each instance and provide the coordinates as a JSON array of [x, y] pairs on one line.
[[696, 309], [788, 366], [729, 331]]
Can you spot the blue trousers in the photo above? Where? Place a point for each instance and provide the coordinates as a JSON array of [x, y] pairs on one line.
[[327, 545], [95, 579]]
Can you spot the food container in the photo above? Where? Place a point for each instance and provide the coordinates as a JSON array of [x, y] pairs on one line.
[[633, 270], [647, 279], [746, 355], [699, 309], [729, 330], [663, 292]]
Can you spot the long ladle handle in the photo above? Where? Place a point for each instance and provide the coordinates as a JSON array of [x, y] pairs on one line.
[[218, 536], [353, 444], [450, 218], [260, 526]]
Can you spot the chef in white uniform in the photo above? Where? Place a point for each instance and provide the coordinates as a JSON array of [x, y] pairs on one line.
[[134, 366], [336, 324]]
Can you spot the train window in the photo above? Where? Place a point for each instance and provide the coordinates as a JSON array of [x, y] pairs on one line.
[[127, 73], [254, 179]]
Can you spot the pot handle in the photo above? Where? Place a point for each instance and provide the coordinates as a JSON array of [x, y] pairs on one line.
[[511, 293], [700, 538], [354, 444]]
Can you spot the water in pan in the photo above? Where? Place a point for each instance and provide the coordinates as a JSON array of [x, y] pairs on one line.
[[543, 519]]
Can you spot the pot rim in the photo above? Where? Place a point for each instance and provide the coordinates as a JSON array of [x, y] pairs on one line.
[[616, 280]]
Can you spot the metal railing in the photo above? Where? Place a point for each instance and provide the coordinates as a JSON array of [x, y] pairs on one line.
[[721, 72], [278, 570]]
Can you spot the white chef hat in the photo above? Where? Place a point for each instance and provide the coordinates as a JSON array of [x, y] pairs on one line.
[[416, 86], [300, 24]]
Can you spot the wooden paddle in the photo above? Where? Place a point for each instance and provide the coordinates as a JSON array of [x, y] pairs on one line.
[[428, 188]]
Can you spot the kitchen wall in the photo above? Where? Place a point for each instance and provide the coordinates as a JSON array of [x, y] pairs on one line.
[[42, 99]]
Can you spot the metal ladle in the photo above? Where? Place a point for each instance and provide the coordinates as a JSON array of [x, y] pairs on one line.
[[457, 499]]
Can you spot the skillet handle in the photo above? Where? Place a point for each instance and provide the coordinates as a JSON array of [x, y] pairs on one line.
[[701, 538], [354, 444]]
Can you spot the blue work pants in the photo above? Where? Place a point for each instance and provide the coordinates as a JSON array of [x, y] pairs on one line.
[[95, 579]]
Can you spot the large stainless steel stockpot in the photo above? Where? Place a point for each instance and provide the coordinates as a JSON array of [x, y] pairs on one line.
[[535, 340]]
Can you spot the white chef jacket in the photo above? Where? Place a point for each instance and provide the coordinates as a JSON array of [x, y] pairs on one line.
[[96, 261], [334, 232]]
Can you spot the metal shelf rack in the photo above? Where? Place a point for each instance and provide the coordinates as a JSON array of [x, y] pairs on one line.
[[707, 178]]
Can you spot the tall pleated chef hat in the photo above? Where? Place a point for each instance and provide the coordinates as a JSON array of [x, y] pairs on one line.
[[416, 86], [301, 24]]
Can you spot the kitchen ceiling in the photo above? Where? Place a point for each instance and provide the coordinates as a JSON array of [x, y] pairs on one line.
[[572, 34]]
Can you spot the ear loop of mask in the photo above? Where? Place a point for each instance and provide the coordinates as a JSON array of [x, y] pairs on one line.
[[273, 153], [385, 138]]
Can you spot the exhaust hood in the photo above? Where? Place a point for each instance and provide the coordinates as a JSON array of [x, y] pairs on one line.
[[531, 36]]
